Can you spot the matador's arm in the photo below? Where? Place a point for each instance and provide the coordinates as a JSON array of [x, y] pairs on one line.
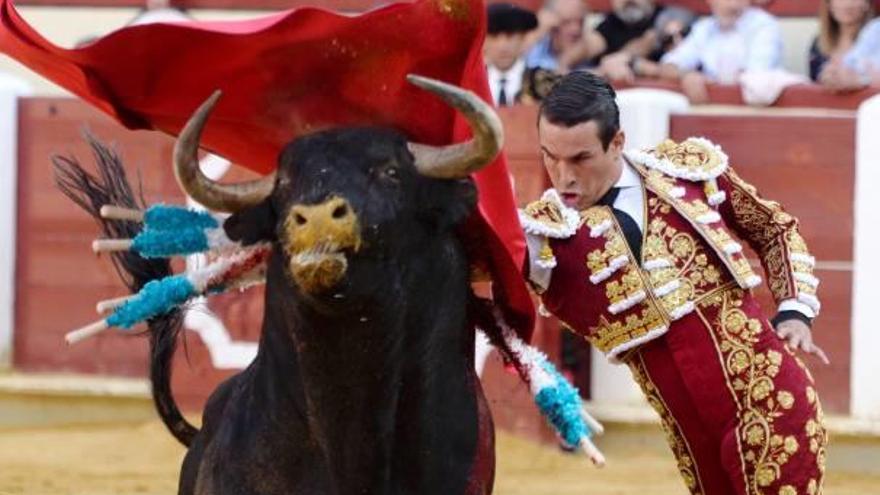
[[773, 234]]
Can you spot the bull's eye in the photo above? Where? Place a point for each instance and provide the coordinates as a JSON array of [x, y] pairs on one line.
[[299, 219], [390, 173]]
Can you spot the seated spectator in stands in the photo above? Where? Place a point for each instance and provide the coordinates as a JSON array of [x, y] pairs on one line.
[[639, 56], [861, 65], [736, 38], [159, 11], [840, 22], [562, 28], [504, 50]]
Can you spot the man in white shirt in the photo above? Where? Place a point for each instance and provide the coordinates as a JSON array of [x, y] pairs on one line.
[[736, 38], [504, 50], [637, 253]]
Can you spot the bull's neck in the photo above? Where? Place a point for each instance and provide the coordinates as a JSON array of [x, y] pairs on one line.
[[375, 376]]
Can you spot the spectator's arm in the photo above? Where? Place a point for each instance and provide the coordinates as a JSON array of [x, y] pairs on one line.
[[866, 50], [686, 56], [641, 46], [547, 20], [590, 46], [669, 71]]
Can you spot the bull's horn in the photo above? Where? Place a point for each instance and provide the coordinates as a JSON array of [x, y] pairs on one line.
[[459, 160], [214, 195]]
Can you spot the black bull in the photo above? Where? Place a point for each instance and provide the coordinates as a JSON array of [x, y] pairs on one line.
[[364, 380]]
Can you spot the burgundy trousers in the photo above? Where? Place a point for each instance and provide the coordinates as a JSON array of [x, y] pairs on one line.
[[740, 410]]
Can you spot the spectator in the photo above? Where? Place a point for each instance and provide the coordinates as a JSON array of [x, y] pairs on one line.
[[634, 50], [504, 50], [561, 30], [734, 39], [861, 65], [839, 24]]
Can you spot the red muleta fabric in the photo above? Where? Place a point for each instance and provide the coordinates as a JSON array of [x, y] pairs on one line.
[[295, 72]]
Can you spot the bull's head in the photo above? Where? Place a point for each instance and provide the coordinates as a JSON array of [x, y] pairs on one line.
[[354, 192]]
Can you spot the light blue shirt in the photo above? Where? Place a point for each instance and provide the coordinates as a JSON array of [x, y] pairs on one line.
[[753, 43], [541, 56], [864, 56]]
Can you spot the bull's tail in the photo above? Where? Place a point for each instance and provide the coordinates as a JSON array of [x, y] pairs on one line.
[[111, 187]]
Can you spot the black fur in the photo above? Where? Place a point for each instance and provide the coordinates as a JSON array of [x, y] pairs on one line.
[[368, 388]]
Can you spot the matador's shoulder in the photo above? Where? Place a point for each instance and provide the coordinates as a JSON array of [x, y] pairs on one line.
[[549, 217], [694, 159]]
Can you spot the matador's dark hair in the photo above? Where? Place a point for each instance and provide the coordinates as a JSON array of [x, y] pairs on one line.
[[581, 97]]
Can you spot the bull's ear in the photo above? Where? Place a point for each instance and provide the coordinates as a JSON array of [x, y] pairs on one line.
[[252, 225], [452, 202]]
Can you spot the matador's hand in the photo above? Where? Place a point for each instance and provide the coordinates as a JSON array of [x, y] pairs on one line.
[[798, 335]]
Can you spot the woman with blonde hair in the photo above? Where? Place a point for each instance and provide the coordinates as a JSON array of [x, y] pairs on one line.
[[840, 22]]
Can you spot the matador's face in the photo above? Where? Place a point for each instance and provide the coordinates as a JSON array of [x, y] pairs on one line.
[[580, 167]]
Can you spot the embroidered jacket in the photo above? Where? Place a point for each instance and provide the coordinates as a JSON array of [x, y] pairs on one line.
[[695, 204]]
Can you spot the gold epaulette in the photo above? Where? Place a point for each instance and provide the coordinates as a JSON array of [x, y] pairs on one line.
[[694, 159], [549, 217]]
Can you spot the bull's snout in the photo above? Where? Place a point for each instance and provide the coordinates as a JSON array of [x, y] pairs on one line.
[[317, 238]]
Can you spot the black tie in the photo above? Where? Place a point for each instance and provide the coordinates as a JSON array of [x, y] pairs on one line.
[[502, 94], [631, 230]]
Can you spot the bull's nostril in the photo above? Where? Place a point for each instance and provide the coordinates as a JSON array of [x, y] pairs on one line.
[[299, 219], [340, 211]]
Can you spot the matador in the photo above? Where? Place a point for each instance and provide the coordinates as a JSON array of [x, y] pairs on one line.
[[637, 252]]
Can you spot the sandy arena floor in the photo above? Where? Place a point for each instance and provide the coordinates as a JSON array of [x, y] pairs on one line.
[[143, 459]]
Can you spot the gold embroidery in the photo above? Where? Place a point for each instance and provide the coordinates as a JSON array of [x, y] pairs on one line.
[[773, 233], [690, 263], [609, 335], [714, 233], [624, 292], [694, 208], [600, 259], [594, 216], [751, 376], [687, 466], [690, 155], [546, 212], [719, 236], [658, 180], [546, 253], [628, 285]]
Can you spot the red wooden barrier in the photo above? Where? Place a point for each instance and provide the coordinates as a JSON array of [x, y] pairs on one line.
[[797, 96]]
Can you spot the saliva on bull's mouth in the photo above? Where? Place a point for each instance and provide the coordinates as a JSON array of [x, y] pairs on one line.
[[318, 240]]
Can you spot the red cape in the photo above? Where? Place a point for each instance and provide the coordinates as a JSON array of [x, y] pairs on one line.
[[291, 73]]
